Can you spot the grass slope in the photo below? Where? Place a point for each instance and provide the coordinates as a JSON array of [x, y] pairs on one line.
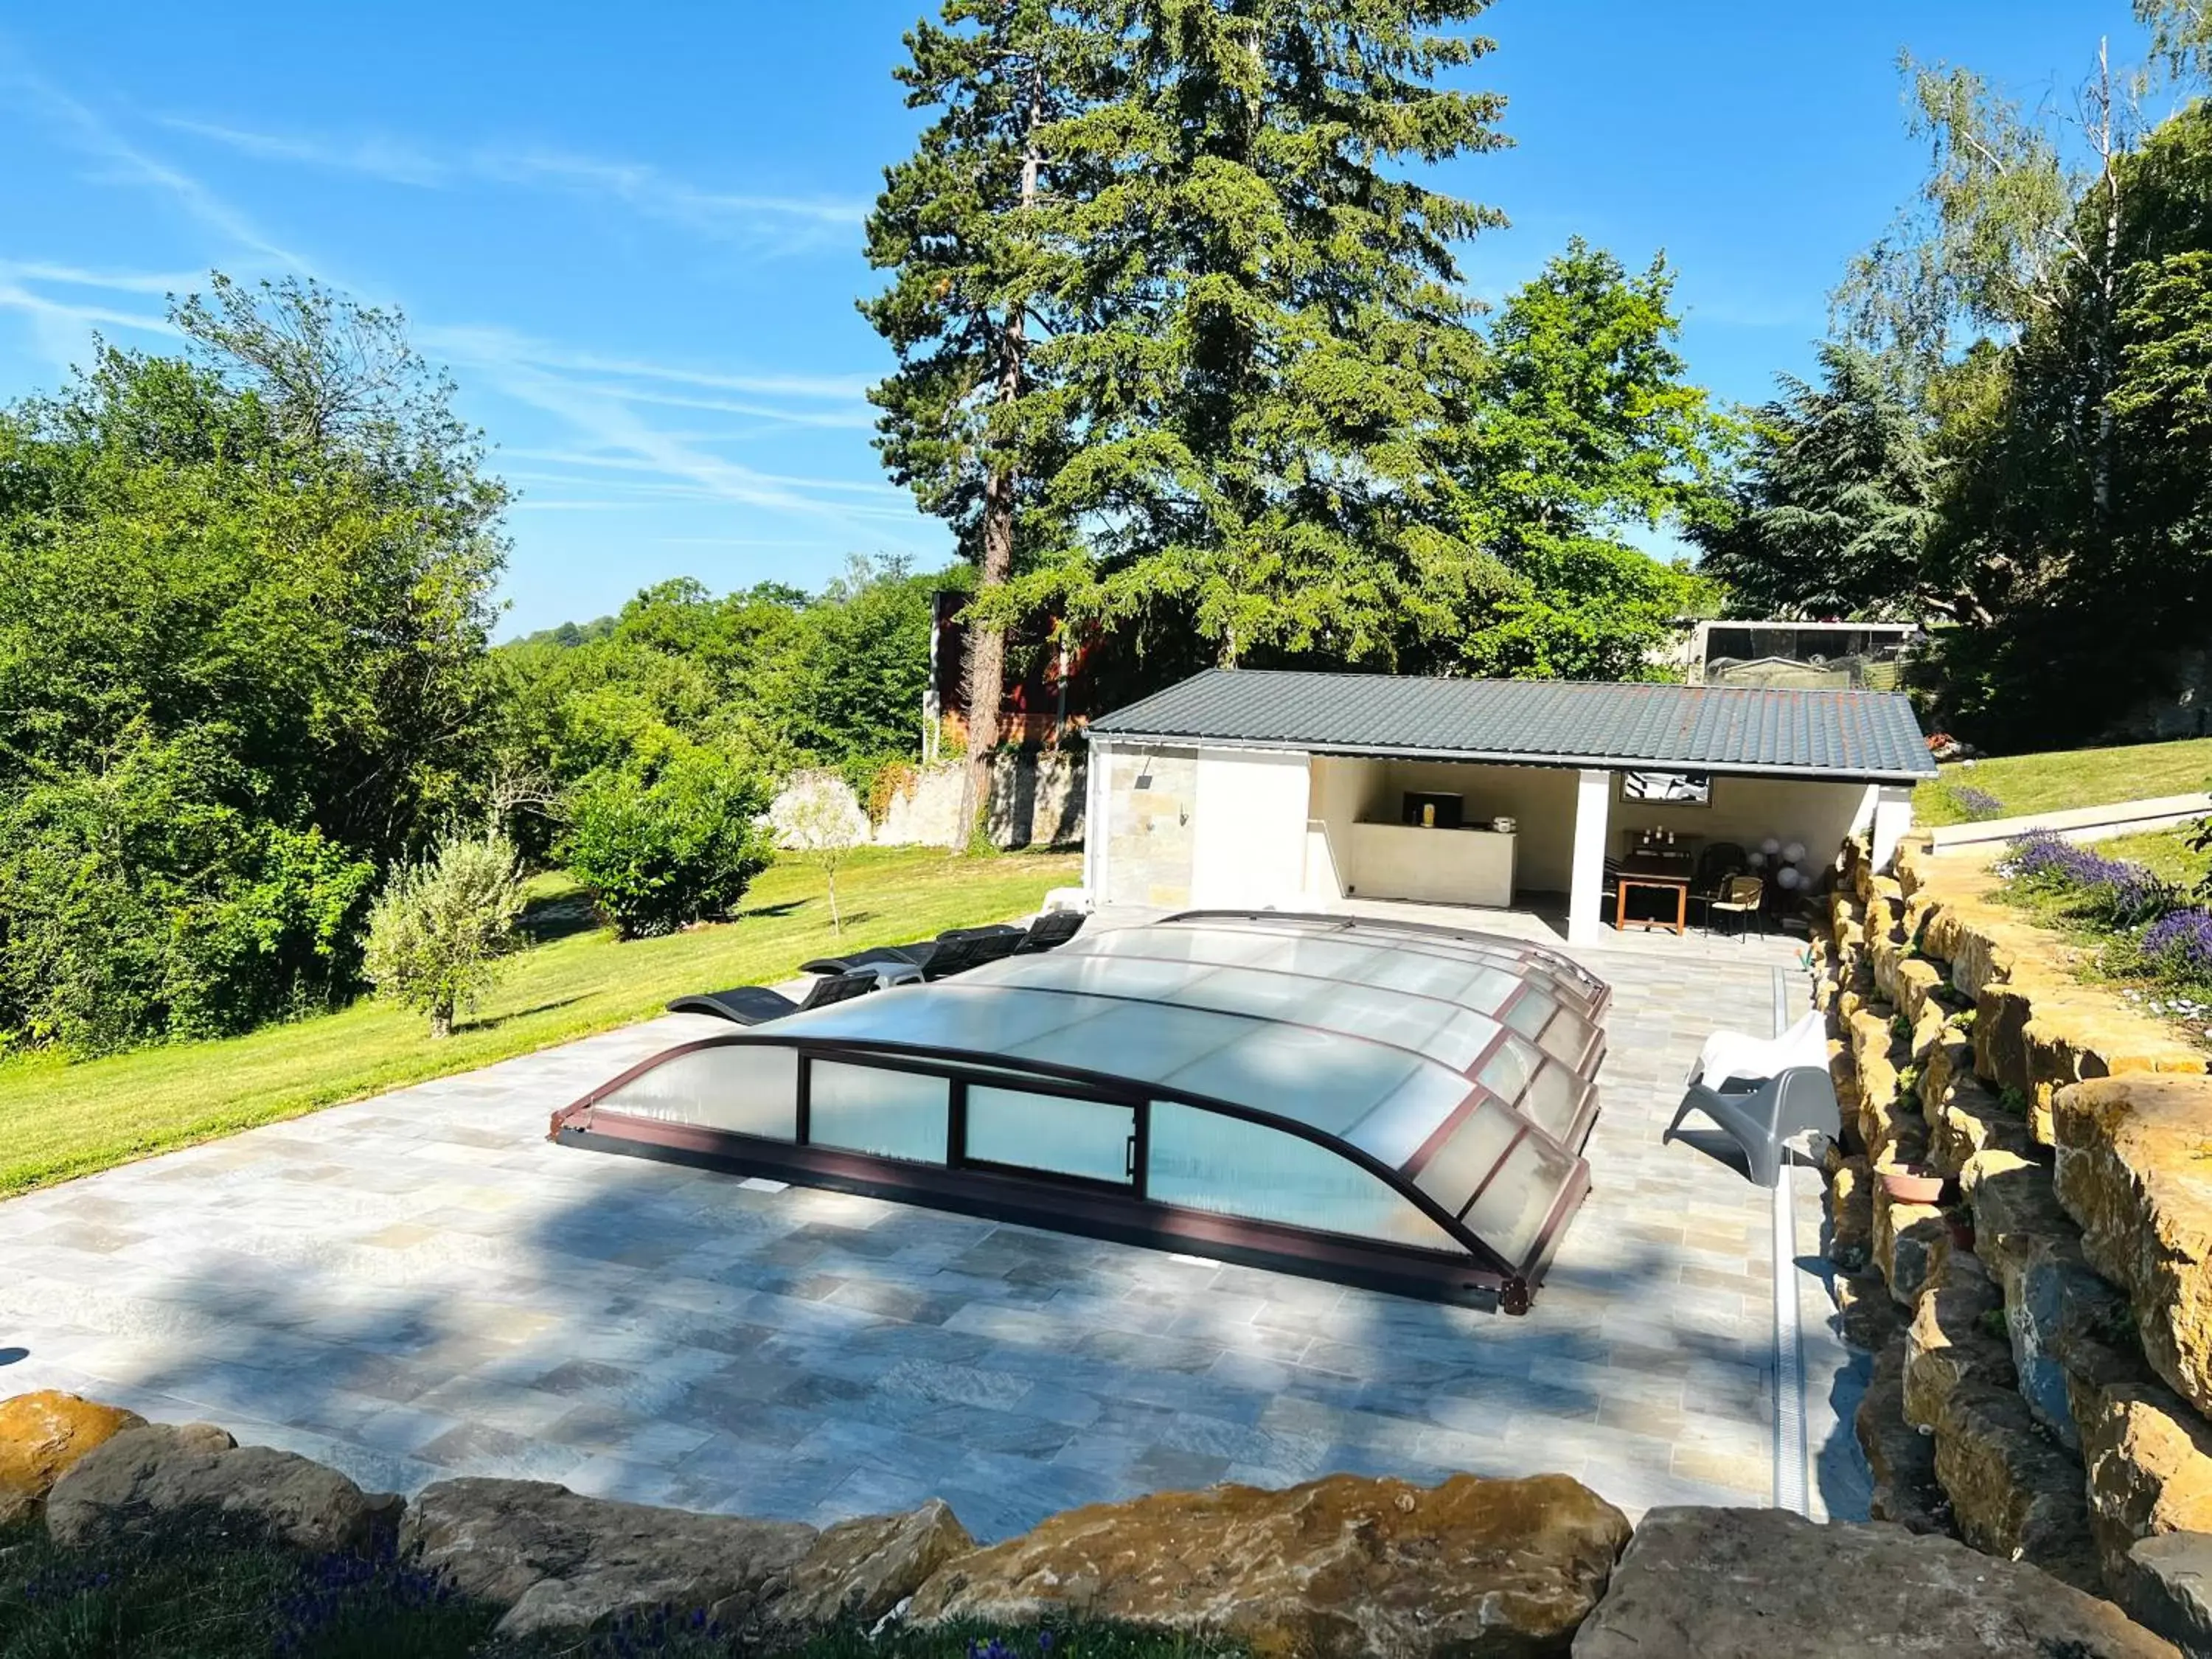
[[2069, 777], [59, 1118]]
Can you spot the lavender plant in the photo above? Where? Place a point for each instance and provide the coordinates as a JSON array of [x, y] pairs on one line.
[[1976, 804], [2115, 891], [2177, 947]]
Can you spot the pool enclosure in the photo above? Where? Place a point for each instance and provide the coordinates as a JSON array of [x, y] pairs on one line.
[[1392, 1104]]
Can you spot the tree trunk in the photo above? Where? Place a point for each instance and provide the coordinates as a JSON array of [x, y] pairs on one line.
[[441, 1021], [836, 922], [2107, 282], [987, 640]]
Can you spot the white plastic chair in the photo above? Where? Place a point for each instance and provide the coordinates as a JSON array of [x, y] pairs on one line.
[[1731, 1055]]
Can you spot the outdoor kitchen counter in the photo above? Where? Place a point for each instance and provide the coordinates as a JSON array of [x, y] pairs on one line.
[[1447, 866]]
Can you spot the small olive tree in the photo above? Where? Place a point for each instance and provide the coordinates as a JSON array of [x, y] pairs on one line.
[[438, 929], [818, 816]]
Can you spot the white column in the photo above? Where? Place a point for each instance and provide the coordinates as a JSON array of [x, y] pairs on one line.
[[1098, 818], [1893, 819], [1586, 897]]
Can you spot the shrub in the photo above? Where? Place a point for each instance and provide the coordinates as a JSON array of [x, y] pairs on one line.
[[437, 931], [668, 842], [816, 815]]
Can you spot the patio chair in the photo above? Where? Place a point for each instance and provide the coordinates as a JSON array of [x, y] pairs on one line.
[[1048, 931], [1799, 1103], [1743, 898], [757, 1004], [1730, 1055], [1719, 862]]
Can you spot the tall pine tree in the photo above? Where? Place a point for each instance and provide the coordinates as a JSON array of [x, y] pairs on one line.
[[1274, 375], [963, 225]]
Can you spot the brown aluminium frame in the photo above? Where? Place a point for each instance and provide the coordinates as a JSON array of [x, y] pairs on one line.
[[1055, 1203]]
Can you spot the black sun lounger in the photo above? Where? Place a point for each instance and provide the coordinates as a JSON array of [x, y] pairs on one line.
[[757, 1004], [1048, 933], [930, 959]]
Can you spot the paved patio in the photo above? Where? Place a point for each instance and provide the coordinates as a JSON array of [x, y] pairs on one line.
[[421, 1286]]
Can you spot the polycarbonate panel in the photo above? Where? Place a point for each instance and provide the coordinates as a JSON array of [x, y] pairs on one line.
[[1455, 1171], [1510, 1212], [748, 1089], [1319, 1078], [866, 1108], [1515, 957], [1551, 1099], [1145, 1041], [953, 1014], [1093, 1139], [1204, 1161], [1456, 1037]]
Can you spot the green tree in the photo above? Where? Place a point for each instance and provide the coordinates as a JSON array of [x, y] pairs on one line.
[[1273, 376], [438, 930], [1589, 428], [667, 839], [1832, 516], [965, 225], [244, 596]]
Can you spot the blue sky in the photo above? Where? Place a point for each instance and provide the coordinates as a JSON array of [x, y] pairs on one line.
[[634, 234]]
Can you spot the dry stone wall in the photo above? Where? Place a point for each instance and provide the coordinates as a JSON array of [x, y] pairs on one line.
[[2055, 1354], [1348, 1566]]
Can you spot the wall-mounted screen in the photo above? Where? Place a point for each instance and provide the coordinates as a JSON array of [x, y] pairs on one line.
[[1668, 788]]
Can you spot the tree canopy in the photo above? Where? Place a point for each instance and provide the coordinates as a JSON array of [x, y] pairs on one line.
[[247, 595], [1171, 273]]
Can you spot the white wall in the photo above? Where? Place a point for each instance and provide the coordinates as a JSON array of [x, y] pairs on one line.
[[1541, 800], [1249, 827], [1346, 790]]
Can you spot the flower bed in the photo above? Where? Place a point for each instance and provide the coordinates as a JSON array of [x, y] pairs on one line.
[[2144, 927]]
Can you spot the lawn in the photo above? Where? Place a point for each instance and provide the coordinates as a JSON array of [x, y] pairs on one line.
[[2069, 777], [64, 1119]]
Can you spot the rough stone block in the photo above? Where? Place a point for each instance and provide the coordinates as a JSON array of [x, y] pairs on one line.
[[1866, 1318], [2167, 1589], [152, 1477], [2014, 1491], [42, 1435], [1919, 984], [2147, 1455], [1949, 1343], [1850, 1213], [557, 1561], [1341, 1568], [1909, 1240], [1964, 1118], [2134, 1171], [1767, 1584]]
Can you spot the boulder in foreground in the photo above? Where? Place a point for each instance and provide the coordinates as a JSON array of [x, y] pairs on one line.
[[42, 1435], [158, 1474], [1339, 1567], [558, 1561], [1725, 1584]]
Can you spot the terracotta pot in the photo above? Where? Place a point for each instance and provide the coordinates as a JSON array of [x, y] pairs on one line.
[[1909, 1186]]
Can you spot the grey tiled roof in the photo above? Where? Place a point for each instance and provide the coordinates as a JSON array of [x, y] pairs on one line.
[[1715, 728]]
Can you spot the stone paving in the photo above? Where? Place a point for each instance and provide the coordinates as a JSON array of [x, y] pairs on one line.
[[421, 1286]]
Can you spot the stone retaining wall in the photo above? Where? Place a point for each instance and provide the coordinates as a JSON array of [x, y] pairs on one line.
[[2047, 1328]]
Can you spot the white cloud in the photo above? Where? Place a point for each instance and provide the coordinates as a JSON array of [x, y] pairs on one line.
[[94, 137], [777, 221]]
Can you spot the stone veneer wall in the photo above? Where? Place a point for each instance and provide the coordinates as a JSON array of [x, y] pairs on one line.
[[2041, 1394]]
